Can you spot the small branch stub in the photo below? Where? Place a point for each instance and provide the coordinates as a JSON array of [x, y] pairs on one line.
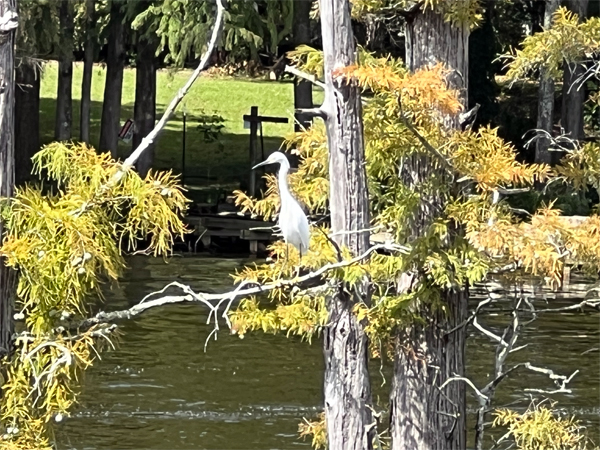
[[8, 22]]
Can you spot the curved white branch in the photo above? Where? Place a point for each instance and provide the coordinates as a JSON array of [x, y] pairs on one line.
[[148, 140]]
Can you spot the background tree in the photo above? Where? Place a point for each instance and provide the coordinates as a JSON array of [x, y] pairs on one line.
[[545, 116], [146, 65], [89, 54], [8, 13], [27, 117], [64, 95], [36, 36], [573, 90], [110, 124], [301, 36]]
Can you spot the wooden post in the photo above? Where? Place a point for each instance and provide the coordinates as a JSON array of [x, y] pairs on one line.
[[183, 148], [253, 149], [255, 121]]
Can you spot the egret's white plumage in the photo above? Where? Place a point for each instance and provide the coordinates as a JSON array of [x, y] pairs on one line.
[[292, 222]]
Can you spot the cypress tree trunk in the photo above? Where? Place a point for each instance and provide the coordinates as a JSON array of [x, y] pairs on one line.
[[573, 93], [115, 64], [302, 88], [145, 100], [64, 100], [27, 119], [423, 416], [8, 9], [347, 384], [86, 80], [545, 117]]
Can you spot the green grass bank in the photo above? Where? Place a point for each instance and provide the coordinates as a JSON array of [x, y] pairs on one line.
[[206, 163]]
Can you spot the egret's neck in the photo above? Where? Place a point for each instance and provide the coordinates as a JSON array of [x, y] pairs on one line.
[[282, 177]]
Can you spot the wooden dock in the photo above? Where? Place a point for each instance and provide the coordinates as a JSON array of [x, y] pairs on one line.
[[232, 226]]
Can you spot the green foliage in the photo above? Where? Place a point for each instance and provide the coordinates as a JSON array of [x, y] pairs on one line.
[[567, 40], [249, 27], [38, 30], [65, 242], [455, 11], [317, 429], [211, 126], [580, 167], [481, 164], [541, 428]]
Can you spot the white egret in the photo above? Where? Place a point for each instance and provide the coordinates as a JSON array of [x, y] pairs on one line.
[[292, 222]]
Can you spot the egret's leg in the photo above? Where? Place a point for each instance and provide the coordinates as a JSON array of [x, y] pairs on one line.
[[287, 249], [299, 261]]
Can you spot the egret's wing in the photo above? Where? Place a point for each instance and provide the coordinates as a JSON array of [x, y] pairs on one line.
[[301, 228], [305, 234]]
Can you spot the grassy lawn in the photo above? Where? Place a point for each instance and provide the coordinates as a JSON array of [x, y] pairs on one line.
[[230, 98]]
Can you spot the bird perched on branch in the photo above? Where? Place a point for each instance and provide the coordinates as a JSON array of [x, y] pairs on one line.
[[292, 222]]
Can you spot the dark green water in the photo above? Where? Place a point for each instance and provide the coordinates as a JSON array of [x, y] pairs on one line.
[[159, 390]]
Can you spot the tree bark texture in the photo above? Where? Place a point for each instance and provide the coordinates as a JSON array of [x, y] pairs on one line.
[[302, 88], [347, 386], [425, 31], [422, 415], [64, 95], [573, 93], [7, 156], [115, 63], [27, 119], [86, 80], [546, 90], [145, 100]]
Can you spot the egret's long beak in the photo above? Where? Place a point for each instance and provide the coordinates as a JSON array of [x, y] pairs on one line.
[[264, 163]]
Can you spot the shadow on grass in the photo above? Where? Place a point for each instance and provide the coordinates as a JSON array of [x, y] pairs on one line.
[[224, 162]]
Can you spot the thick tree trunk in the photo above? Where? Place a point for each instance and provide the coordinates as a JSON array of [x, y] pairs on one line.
[[302, 88], [86, 80], [545, 117], [423, 416], [27, 119], [347, 384], [8, 8], [115, 63], [573, 92], [145, 100], [64, 96]]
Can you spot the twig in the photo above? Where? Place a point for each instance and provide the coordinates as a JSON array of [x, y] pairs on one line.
[[434, 151]]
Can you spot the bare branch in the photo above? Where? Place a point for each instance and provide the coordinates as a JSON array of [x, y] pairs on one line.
[[561, 381], [214, 301], [305, 76], [148, 140], [513, 191], [469, 382], [310, 113], [488, 333]]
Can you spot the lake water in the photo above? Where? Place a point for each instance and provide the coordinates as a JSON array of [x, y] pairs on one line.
[[159, 390]]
